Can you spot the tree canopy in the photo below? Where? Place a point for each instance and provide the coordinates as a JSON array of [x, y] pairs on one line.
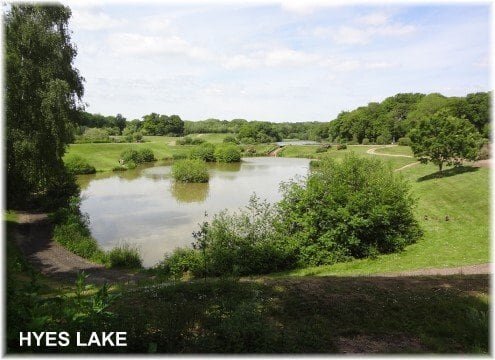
[[444, 138], [43, 97]]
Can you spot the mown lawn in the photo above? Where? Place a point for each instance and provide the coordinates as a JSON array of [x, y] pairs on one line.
[[105, 156]]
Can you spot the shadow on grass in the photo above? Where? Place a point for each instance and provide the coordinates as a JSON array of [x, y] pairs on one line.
[[449, 172]]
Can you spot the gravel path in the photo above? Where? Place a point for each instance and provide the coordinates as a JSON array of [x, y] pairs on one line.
[[34, 239]]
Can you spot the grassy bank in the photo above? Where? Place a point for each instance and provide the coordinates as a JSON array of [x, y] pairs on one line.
[[453, 211]]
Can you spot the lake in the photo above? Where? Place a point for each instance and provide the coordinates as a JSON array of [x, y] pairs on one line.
[[146, 208]]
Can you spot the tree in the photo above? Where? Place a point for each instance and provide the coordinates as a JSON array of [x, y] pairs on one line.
[[445, 139], [43, 97]]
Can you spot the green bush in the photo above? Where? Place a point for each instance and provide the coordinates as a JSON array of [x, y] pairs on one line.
[[204, 152], [227, 153], [124, 256], [77, 165], [404, 141], [71, 230], [137, 156], [231, 139], [323, 148], [188, 140], [382, 140], [146, 155], [182, 261], [94, 135], [236, 244], [119, 168], [179, 156], [341, 146], [484, 152], [190, 170], [365, 141], [356, 208]]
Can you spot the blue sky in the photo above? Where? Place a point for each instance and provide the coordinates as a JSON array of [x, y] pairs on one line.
[[274, 61]]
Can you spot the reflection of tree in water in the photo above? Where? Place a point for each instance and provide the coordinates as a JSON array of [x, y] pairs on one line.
[[231, 167], [189, 192]]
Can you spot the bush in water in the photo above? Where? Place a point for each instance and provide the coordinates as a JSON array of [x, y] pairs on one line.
[[205, 152], [190, 170], [227, 153]]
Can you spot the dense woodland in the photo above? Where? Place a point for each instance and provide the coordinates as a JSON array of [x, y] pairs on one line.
[[381, 123]]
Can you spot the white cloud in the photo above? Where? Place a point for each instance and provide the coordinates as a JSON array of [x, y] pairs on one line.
[[94, 19], [374, 18], [368, 27], [289, 57], [155, 23], [137, 44], [351, 35]]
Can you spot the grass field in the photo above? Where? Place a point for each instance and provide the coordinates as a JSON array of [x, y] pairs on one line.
[[105, 156]]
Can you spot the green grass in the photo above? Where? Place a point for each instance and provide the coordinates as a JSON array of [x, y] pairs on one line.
[[462, 240], [396, 150], [104, 157]]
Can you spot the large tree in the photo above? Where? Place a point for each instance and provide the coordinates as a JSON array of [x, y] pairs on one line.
[[43, 95], [445, 139]]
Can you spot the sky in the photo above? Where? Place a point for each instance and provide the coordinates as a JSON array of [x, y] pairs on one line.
[[274, 61]]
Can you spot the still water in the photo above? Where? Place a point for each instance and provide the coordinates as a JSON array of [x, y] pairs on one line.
[[146, 208]]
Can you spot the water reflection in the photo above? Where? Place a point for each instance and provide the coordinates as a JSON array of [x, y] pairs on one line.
[[147, 208], [187, 193]]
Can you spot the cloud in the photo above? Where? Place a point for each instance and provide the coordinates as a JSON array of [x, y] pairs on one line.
[[350, 35], [289, 57], [138, 44], [366, 28], [94, 19], [374, 18]]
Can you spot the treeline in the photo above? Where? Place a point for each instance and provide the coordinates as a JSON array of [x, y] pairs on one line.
[[381, 123], [394, 117]]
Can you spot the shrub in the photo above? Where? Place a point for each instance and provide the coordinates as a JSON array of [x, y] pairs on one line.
[[231, 139], [179, 156], [404, 141], [227, 153], [182, 261], [95, 135], [341, 146], [71, 230], [205, 152], [322, 148], [77, 165], [356, 208], [146, 155], [119, 168], [130, 165], [381, 140], [365, 141], [484, 152], [236, 244], [137, 156], [124, 256], [190, 170], [250, 150]]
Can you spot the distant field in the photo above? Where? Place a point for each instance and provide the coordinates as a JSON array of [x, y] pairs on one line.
[[105, 156]]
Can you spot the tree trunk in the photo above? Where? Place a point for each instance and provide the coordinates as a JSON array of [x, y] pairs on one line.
[[440, 167]]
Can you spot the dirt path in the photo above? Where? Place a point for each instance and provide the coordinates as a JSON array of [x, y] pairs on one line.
[[460, 270], [275, 152], [372, 151], [34, 238]]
